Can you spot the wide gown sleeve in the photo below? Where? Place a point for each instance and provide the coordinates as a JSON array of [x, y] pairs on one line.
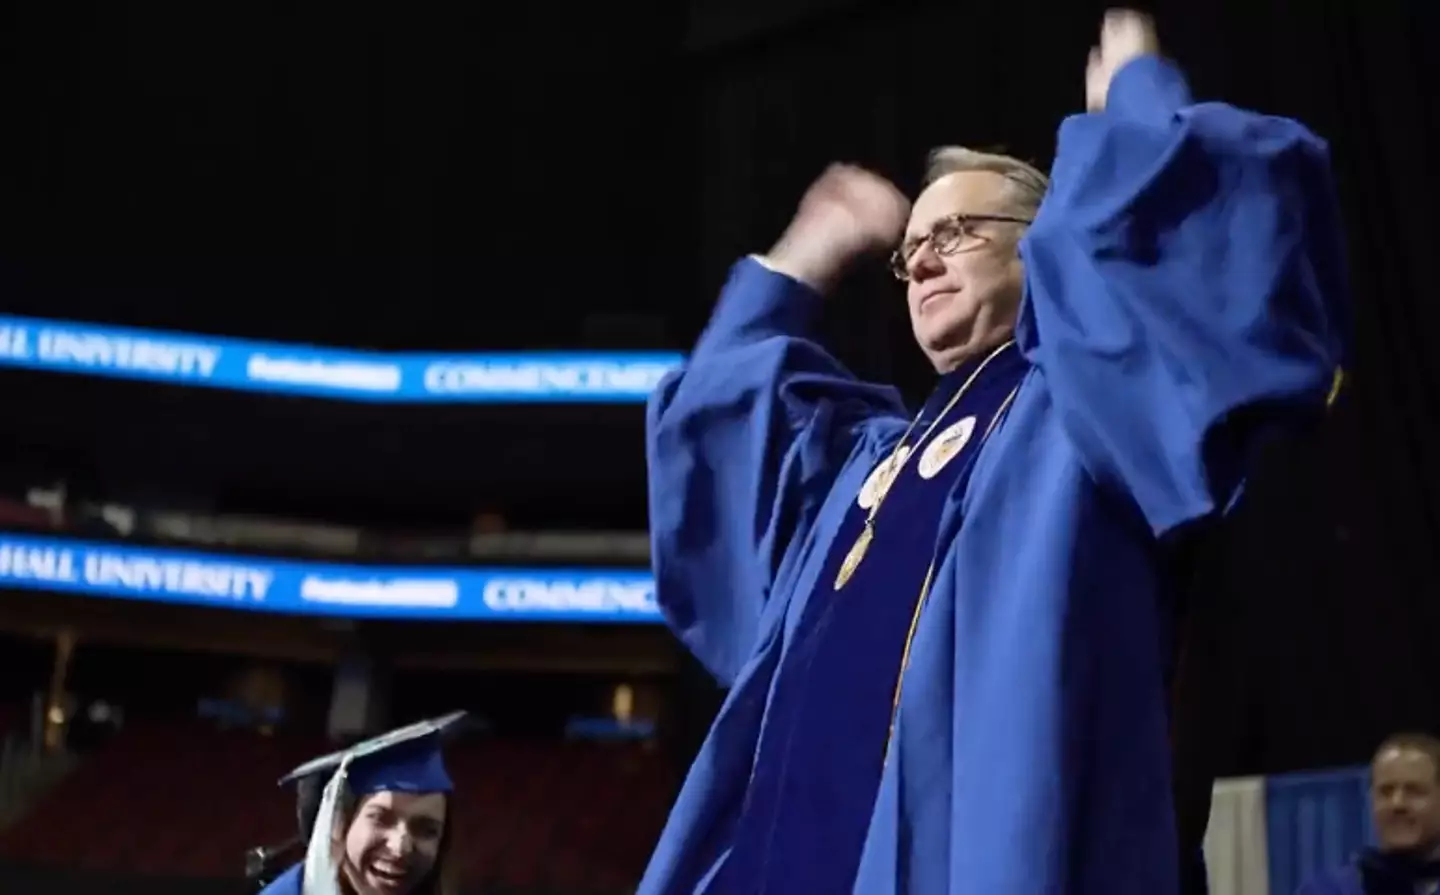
[[1185, 289], [743, 445]]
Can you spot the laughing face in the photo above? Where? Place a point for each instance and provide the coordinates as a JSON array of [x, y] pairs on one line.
[[393, 842]]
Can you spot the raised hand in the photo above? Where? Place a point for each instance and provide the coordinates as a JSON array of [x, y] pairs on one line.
[[845, 214], [1124, 35]]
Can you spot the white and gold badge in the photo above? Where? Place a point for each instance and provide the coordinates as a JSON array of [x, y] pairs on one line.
[[945, 446], [882, 478]]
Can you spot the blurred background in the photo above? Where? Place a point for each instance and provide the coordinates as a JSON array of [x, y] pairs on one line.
[[324, 337]]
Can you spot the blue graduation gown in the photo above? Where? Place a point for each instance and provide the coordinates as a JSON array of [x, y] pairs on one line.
[[1184, 287], [287, 883]]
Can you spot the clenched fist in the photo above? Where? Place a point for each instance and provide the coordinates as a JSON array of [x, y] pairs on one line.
[[1125, 35], [846, 214]]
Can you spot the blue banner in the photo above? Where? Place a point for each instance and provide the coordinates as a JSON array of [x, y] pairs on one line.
[[400, 377], [330, 589]]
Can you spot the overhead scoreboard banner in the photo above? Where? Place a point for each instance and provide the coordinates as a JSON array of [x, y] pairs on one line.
[[274, 368], [337, 590]]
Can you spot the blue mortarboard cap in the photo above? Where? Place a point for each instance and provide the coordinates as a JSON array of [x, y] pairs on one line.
[[403, 760]]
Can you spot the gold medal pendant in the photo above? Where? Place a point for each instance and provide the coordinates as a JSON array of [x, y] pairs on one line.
[[851, 562]]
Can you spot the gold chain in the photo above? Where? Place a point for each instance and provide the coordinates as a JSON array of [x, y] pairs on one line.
[[894, 465], [892, 475]]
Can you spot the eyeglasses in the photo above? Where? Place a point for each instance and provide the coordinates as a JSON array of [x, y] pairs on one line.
[[952, 234]]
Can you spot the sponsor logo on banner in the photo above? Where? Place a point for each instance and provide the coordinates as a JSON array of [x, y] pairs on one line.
[[347, 375], [408, 592]]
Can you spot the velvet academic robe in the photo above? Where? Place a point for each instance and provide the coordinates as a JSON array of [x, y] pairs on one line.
[[1374, 873], [1184, 288]]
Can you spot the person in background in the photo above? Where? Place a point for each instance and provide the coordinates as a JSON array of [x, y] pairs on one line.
[[1405, 804], [384, 819]]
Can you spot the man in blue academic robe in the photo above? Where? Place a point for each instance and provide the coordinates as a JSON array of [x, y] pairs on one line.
[[1405, 808], [945, 635]]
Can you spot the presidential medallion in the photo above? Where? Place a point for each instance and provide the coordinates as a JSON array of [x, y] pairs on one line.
[[945, 447], [851, 562]]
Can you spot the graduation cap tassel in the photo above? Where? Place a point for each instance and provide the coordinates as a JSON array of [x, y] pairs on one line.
[[322, 876]]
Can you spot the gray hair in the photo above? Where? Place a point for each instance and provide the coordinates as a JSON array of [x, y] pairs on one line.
[[1027, 183]]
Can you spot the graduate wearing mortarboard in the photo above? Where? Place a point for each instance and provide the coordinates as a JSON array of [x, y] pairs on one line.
[[946, 636], [376, 819]]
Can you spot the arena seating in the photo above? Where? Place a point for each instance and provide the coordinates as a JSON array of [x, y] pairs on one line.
[[186, 801]]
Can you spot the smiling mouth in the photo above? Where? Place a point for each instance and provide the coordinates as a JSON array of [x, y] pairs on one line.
[[387, 879]]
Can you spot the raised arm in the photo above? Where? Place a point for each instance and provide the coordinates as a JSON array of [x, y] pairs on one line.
[[1186, 286], [745, 441]]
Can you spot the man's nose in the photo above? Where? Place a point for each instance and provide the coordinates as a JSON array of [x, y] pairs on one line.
[[925, 263]]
